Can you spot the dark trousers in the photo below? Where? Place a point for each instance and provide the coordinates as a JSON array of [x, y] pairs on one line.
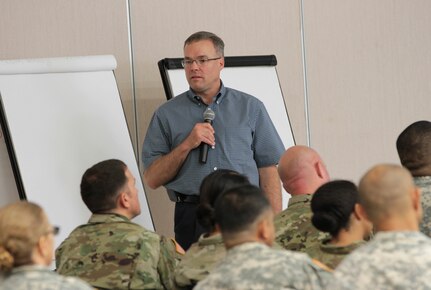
[[187, 229]]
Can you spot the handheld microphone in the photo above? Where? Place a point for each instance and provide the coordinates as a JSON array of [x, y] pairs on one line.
[[209, 116]]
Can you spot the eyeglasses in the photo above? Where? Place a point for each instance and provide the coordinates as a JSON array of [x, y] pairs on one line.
[[200, 61], [54, 230]]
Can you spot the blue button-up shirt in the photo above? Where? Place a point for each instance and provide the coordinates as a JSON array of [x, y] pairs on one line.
[[245, 137]]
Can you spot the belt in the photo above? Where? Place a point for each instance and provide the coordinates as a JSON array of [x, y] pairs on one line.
[[181, 197]]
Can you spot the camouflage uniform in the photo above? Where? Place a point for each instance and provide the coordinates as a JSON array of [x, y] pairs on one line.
[[256, 266], [112, 252], [199, 260], [331, 255], [392, 260], [424, 183], [40, 278], [293, 228]]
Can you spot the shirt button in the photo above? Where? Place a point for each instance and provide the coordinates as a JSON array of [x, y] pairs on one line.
[[218, 102], [215, 168]]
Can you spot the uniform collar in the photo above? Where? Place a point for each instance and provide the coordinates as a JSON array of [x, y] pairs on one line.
[[211, 240], [302, 198], [107, 217]]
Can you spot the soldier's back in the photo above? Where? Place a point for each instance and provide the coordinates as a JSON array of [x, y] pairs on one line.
[[392, 260], [256, 266], [199, 261], [331, 255], [113, 253], [293, 228], [40, 278]]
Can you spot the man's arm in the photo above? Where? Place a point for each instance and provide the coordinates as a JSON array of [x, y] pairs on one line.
[[270, 184], [166, 167]]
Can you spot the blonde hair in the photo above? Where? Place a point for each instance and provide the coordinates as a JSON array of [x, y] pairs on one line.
[[21, 226]]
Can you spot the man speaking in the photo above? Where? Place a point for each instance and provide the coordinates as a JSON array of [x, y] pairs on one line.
[[240, 136]]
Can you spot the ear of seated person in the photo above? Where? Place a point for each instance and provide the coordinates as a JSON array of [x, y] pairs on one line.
[[201, 258], [245, 218], [398, 256], [110, 251], [27, 249], [335, 211], [414, 150], [301, 171]]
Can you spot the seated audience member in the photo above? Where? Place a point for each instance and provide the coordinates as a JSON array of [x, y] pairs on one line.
[[202, 256], [414, 150], [245, 218], [301, 171], [398, 256], [335, 211], [27, 249], [110, 251]]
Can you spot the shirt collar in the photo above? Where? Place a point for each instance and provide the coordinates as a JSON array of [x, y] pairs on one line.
[[218, 98]]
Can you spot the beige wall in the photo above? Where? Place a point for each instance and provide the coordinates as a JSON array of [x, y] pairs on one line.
[[368, 62]]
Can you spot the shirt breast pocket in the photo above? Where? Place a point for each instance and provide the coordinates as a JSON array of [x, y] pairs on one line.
[[238, 143]]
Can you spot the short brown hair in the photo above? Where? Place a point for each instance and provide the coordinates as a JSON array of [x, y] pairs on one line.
[[205, 35]]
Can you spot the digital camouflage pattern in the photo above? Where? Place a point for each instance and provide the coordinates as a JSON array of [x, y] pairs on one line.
[[199, 260], [293, 228], [331, 255], [424, 183], [392, 260], [40, 278], [111, 252], [256, 266]]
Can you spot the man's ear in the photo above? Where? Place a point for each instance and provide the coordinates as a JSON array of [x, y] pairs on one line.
[[221, 63], [123, 200], [321, 170], [416, 201], [416, 198], [265, 231]]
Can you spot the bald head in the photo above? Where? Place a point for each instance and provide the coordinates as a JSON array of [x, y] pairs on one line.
[[388, 195], [302, 170]]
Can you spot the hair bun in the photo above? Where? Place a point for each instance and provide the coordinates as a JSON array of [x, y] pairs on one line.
[[325, 222], [6, 260]]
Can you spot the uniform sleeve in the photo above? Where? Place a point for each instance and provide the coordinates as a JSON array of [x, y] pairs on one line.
[[167, 263], [156, 142], [267, 144]]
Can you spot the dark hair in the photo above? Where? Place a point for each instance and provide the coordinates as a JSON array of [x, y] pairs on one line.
[[332, 204], [205, 35], [414, 146], [238, 208], [212, 186], [101, 184]]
